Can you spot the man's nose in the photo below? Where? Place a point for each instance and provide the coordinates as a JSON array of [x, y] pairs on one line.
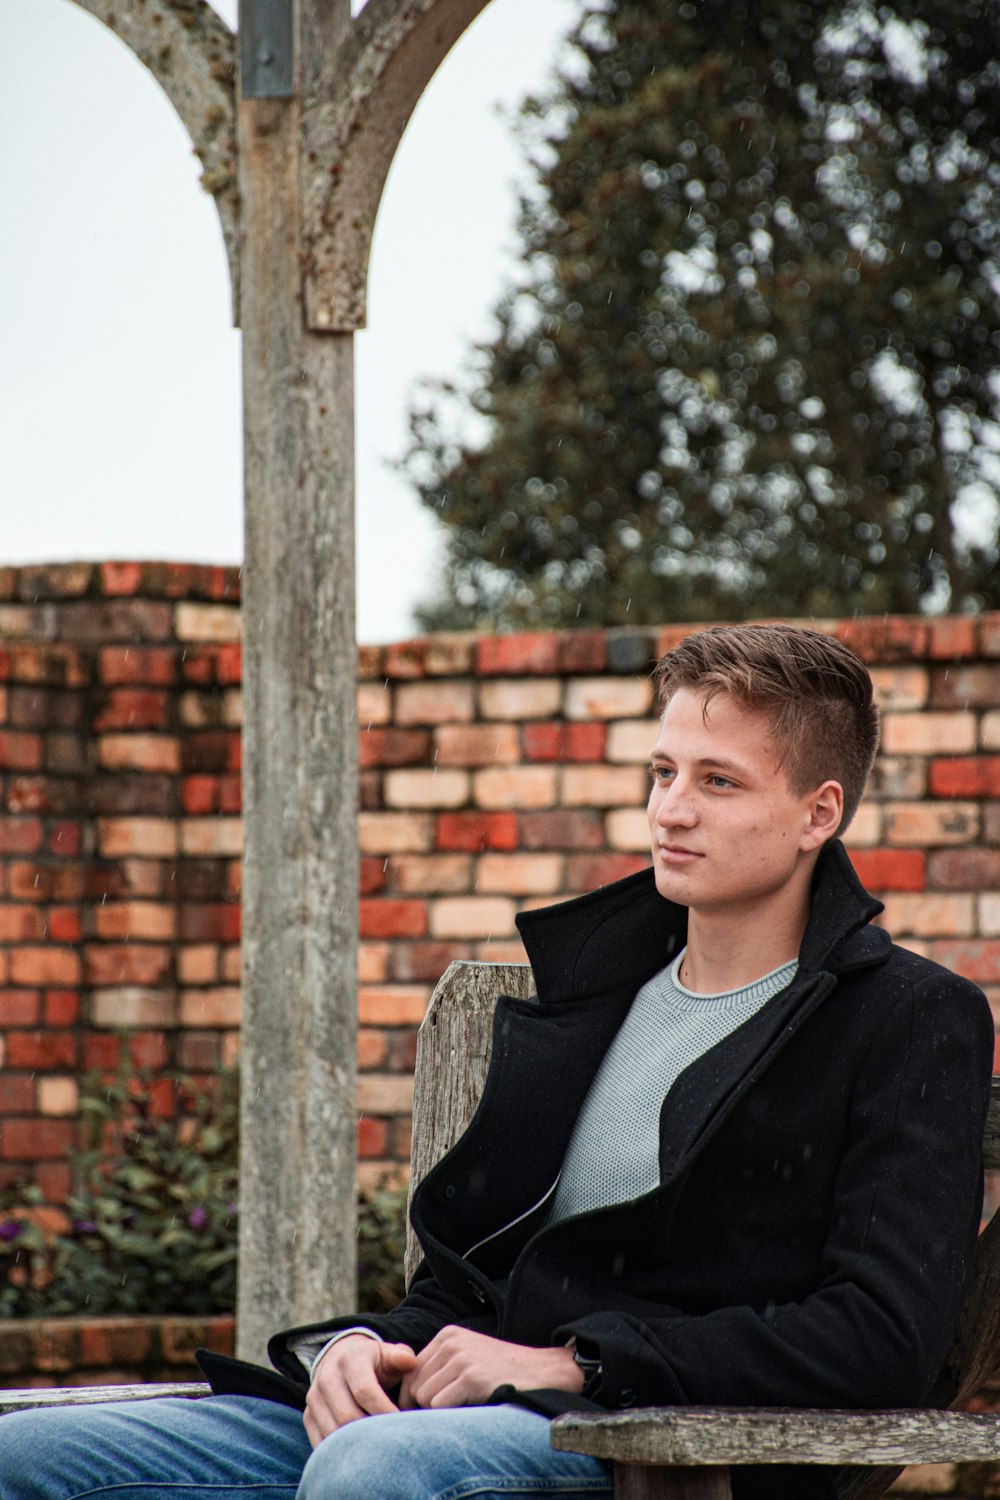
[[676, 805]]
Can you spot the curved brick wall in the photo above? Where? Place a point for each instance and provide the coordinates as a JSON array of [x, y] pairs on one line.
[[497, 773]]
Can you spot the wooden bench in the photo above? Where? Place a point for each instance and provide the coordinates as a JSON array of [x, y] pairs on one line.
[[684, 1453]]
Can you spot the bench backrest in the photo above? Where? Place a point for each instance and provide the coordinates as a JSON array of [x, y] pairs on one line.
[[453, 1050]]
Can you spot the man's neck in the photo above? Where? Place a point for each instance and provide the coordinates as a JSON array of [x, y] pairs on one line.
[[727, 951]]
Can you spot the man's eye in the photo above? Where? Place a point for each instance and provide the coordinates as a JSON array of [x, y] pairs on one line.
[[660, 773], [720, 781]]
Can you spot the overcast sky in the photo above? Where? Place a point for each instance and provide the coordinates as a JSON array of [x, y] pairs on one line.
[[119, 372]]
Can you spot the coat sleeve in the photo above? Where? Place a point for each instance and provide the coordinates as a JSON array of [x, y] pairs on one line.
[[905, 1213]]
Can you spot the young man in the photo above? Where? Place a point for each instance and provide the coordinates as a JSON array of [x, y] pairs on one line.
[[731, 1154]]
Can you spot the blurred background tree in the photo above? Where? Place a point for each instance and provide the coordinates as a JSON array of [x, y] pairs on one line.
[[753, 362]]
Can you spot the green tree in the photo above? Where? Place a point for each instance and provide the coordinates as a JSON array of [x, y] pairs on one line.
[[753, 364]]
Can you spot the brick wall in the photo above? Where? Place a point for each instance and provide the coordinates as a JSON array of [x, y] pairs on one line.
[[497, 773]]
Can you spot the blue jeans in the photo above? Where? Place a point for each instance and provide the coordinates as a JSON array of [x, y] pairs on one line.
[[241, 1448]]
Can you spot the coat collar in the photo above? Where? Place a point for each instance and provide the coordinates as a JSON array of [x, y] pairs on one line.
[[623, 934]]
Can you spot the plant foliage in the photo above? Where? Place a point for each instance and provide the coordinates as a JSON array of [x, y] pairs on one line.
[[753, 364]]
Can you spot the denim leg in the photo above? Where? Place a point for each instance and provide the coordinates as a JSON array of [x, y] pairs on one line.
[[450, 1454], [218, 1448]]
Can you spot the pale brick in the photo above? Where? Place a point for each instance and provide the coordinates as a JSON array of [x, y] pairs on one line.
[[628, 829], [395, 833], [899, 778], [631, 741], [229, 1049], [503, 950], [865, 828], [232, 708], [212, 836], [989, 914], [426, 788], [430, 874], [231, 964], [504, 787], [435, 703], [151, 838], [58, 1096], [934, 914], [603, 786], [472, 917], [374, 704], [898, 688], [151, 921], [373, 962], [373, 1175], [989, 730], [393, 1004], [519, 874], [928, 733], [207, 622], [133, 1006], [210, 1007], [139, 752], [476, 744], [608, 698], [198, 963], [385, 1093], [920, 824], [520, 698]]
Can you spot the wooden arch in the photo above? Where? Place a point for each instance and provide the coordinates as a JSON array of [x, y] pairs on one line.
[[296, 167]]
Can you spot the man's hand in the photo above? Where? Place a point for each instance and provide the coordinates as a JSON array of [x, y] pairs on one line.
[[459, 1368], [350, 1382]]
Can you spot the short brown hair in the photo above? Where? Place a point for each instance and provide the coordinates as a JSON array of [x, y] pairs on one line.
[[816, 693]]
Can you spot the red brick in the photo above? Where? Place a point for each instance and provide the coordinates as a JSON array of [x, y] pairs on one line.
[[57, 665], [20, 751], [152, 666], [36, 1139], [61, 1008], [148, 1050], [393, 747], [30, 794], [20, 835], [425, 961], [473, 832], [582, 828], [886, 639], [966, 776], [951, 637], [585, 872], [45, 966], [517, 655], [133, 708], [100, 1051], [989, 633], [404, 659], [17, 1094], [121, 577], [65, 839], [583, 651], [19, 1008], [65, 925], [371, 1136], [54, 1180], [211, 922], [21, 924], [891, 869], [979, 961], [43, 1051], [964, 869], [127, 963], [564, 742], [211, 750], [966, 687], [369, 662], [373, 874], [372, 1049], [393, 919]]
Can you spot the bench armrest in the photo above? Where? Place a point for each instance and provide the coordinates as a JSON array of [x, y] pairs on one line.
[[722, 1435], [89, 1395]]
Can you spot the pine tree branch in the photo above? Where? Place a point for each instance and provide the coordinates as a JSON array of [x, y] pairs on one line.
[[192, 55]]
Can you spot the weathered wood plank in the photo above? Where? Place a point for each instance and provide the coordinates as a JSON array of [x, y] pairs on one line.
[[92, 1395], [734, 1435], [453, 1053]]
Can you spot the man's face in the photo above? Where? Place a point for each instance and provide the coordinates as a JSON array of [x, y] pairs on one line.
[[727, 831]]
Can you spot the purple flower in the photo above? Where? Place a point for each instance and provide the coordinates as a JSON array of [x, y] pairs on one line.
[[85, 1226], [10, 1229], [198, 1217]]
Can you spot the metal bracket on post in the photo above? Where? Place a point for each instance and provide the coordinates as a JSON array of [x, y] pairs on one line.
[[267, 51]]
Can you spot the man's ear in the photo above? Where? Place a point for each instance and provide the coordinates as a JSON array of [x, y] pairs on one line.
[[825, 810]]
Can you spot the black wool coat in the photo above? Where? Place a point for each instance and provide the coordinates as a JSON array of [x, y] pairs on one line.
[[820, 1193]]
